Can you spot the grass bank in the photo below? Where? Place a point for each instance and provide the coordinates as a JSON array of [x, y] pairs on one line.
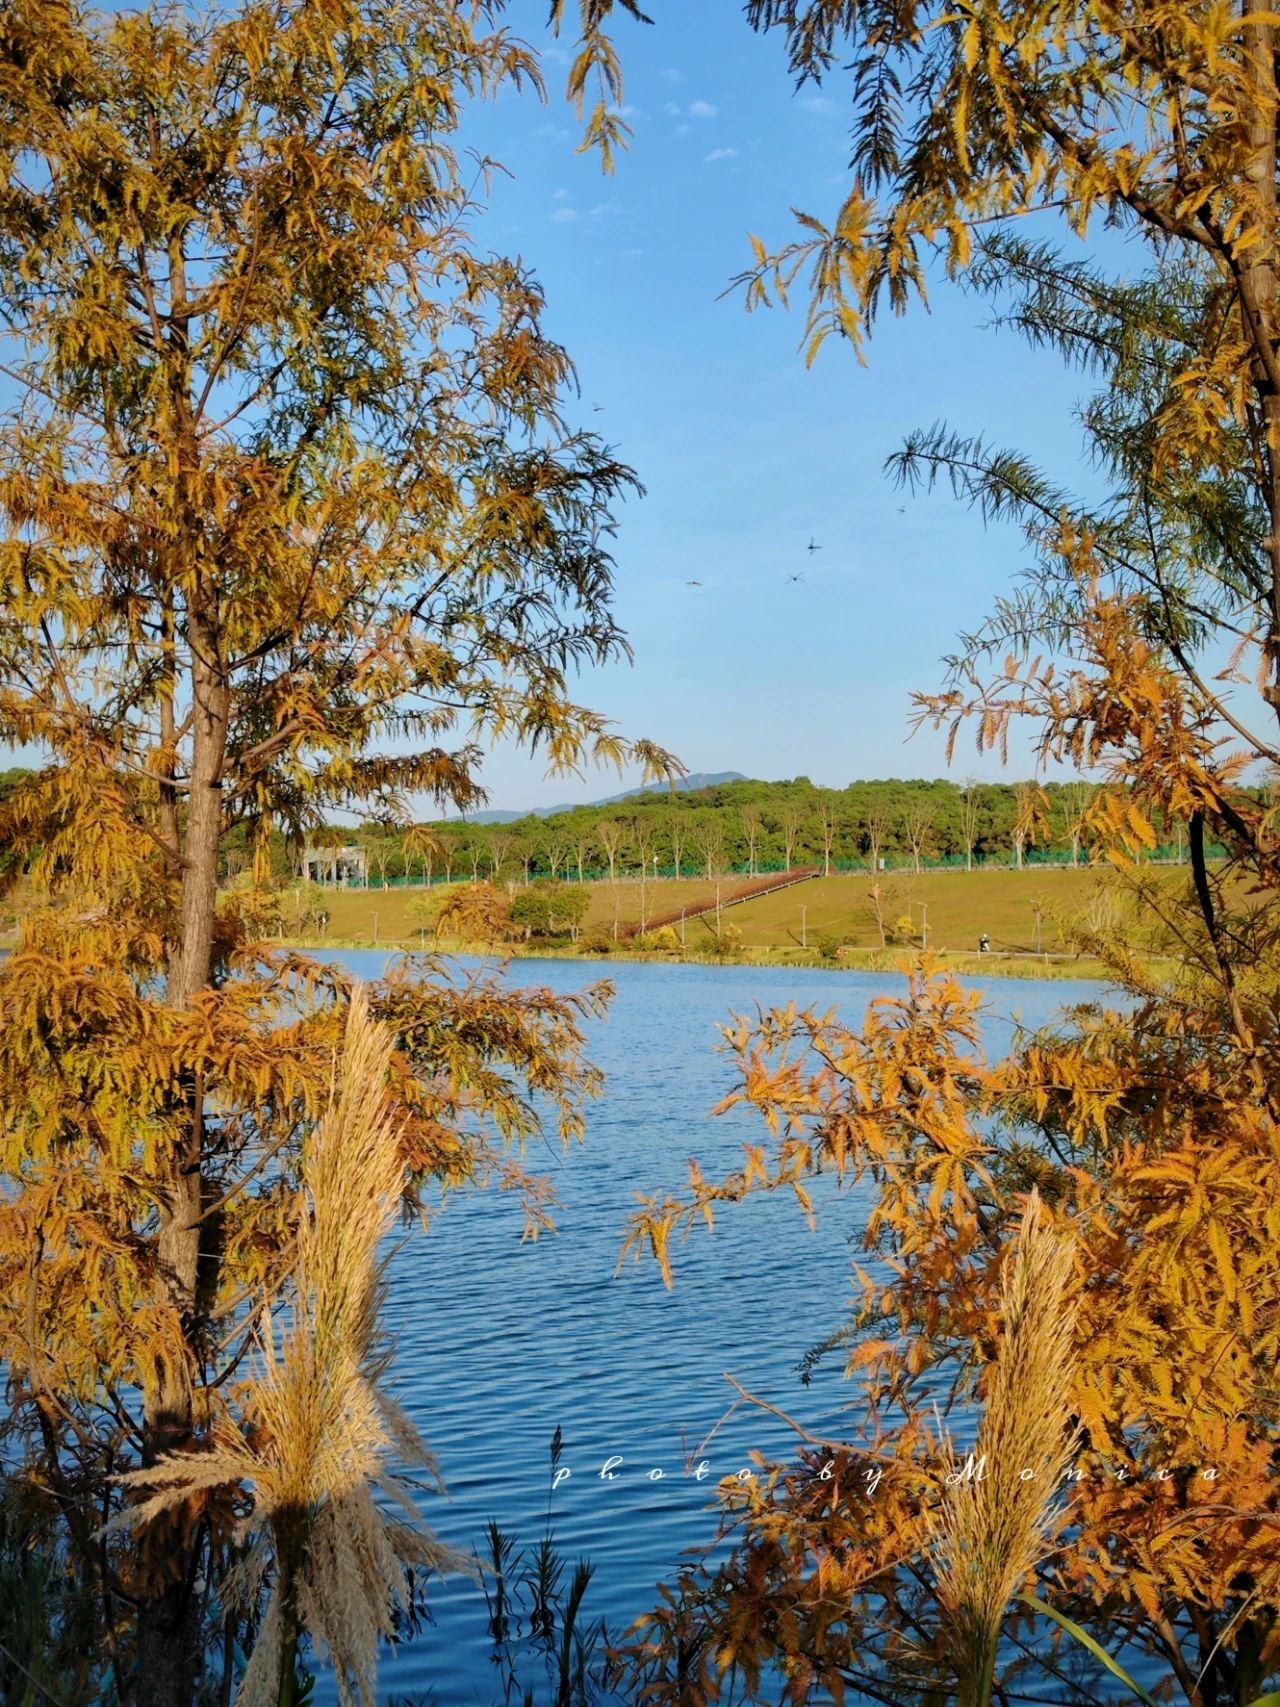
[[1023, 914], [1037, 966]]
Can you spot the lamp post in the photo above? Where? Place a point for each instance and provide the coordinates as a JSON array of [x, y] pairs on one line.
[[804, 926]]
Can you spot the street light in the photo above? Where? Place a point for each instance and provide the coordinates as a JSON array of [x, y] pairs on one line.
[[804, 926]]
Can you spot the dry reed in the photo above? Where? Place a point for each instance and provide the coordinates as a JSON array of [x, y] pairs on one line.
[[995, 1524], [323, 1432]]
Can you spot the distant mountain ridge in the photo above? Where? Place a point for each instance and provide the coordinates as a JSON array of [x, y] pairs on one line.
[[685, 785]]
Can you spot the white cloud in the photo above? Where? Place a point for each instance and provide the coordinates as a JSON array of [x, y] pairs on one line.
[[671, 110], [721, 154], [634, 113], [817, 103], [673, 76], [703, 110], [561, 196], [681, 130], [563, 215]]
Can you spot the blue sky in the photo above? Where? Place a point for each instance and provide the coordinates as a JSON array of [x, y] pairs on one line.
[[744, 453]]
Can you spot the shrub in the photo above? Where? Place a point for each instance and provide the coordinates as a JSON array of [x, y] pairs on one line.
[[662, 941], [728, 942], [903, 929], [548, 907]]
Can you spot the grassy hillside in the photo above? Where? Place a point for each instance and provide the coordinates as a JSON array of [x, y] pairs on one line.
[[956, 906], [396, 916]]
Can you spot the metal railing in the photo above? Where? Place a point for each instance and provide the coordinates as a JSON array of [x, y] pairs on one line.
[[895, 862]]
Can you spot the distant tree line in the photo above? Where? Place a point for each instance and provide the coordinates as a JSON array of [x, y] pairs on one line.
[[755, 827], [752, 827], [746, 827]]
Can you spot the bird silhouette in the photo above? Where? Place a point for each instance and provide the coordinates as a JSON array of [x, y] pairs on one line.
[[693, 583], [902, 509], [812, 546], [795, 577]]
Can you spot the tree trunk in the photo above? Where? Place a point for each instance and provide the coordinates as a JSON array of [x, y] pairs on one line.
[[1257, 283], [168, 1617]]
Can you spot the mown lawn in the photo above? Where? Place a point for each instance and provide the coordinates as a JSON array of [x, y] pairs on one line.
[[396, 916], [956, 905]]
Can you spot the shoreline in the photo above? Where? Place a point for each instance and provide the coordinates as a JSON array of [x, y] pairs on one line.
[[1052, 968], [1044, 968]]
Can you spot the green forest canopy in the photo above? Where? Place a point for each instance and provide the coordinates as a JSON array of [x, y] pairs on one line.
[[756, 826], [747, 825]]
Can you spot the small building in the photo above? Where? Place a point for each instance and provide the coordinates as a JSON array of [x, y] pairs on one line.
[[344, 868]]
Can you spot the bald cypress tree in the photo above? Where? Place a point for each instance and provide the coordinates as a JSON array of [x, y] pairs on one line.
[[290, 522]]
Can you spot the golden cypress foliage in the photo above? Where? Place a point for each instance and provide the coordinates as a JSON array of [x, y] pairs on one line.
[[474, 912], [291, 522], [321, 1432], [1142, 647]]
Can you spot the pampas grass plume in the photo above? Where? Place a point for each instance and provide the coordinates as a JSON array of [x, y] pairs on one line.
[[992, 1531], [324, 1432]]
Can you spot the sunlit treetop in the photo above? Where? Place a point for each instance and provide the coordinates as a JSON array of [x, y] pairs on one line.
[[291, 520], [279, 415]]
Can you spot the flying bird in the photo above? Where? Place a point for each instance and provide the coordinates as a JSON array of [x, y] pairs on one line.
[[812, 546], [795, 577], [693, 583]]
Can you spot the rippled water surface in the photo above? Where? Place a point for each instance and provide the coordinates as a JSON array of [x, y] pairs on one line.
[[500, 1342]]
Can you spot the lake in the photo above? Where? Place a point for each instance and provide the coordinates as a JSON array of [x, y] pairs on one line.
[[499, 1343]]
